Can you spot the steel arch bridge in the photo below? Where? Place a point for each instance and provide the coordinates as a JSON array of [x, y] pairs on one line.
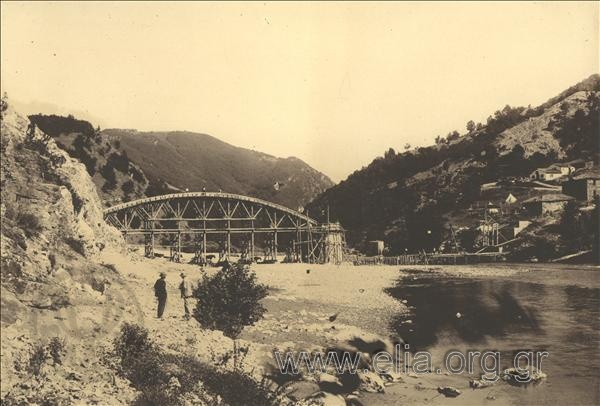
[[219, 217]]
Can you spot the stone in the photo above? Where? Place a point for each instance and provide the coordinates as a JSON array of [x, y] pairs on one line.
[[330, 383], [448, 391], [370, 382], [353, 400], [300, 389], [479, 383], [523, 377]]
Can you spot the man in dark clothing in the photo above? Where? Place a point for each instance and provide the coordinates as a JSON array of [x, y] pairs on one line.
[[160, 291]]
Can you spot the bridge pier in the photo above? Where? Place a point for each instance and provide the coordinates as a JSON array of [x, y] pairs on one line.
[[333, 244], [275, 244], [252, 243], [228, 243], [149, 240]]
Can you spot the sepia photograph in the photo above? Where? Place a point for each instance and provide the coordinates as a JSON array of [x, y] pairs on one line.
[[328, 203]]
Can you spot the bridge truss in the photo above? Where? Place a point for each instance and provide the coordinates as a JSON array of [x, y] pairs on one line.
[[199, 218]]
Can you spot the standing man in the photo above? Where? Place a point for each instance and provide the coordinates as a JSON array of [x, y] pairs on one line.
[[186, 293], [160, 291]]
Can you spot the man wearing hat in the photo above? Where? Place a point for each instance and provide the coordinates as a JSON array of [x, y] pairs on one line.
[[186, 293], [160, 291]]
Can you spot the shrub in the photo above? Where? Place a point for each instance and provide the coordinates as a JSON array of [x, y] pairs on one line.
[[229, 300], [153, 371], [133, 342], [137, 174], [128, 187], [119, 161], [37, 359], [29, 223], [108, 173], [76, 245], [56, 349]]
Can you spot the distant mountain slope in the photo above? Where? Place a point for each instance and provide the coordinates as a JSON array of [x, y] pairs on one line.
[[407, 199], [127, 164], [194, 161]]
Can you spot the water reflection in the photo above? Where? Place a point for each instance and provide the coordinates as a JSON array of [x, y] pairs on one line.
[[486, 307], [550, 311]]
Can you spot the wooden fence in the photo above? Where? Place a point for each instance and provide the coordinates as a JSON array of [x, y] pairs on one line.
[[428, 259]]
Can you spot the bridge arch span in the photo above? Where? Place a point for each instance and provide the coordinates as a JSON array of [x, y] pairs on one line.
[[202, 216]]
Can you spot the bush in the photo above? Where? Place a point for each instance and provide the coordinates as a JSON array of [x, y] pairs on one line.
[[229, 300], [132, 343], [153, 373], [37, 359], [108, 173], [29, 223], [119, 161], [76, 245], [56, 349], [128, 187]]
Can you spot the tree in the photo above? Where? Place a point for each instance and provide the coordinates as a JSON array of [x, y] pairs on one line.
[[108, 173], [229, 300], [454, 135], [578, 134], [470, 126], [467, 238], [128, 187], [570, 227]]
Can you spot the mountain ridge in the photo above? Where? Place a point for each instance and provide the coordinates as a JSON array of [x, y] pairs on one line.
[[127, 164], [215, 164]]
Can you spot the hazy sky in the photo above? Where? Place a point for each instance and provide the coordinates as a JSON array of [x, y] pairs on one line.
[[334, 84]]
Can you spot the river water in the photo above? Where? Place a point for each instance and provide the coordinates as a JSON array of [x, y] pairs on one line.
[[553, 310]]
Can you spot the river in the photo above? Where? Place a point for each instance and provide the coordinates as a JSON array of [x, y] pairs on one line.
[[556, 309]]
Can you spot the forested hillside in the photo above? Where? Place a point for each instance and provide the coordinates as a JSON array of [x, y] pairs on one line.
[[410, 199], [195, 161]]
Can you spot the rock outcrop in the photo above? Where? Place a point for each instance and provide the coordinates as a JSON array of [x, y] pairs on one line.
[[54, 285]]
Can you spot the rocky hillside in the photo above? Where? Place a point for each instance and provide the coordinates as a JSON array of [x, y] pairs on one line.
[[57, 296], [116, 178], [195, 161], [407, 199]]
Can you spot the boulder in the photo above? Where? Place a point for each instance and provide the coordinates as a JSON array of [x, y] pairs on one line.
[[370, 382], [448, 391], [298, 390], [330, 383], [523, 377]]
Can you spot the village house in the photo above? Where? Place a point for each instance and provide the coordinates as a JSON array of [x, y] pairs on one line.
[[520, 226], [553, 172], [584, 184], [547, 203]]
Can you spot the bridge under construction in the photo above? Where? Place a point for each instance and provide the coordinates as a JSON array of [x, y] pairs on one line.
[[192, 221]]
